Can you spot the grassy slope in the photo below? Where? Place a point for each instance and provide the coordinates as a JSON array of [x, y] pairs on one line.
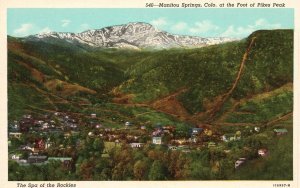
[[209, 72]]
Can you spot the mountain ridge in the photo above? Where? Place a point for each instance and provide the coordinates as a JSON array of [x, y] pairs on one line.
[[134, 35]]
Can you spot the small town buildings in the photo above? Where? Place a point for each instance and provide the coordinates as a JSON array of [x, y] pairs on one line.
[[263, 152], [156, 140], [15, 135], [279, 132], [239, 162], [136, 145], [36, 159]]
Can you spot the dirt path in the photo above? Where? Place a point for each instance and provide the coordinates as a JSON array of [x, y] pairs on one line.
[[221, 100], [284, 117]]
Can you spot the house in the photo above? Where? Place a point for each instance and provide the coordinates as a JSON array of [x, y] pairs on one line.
[[156, 140], [15, 157], [143, 127], [193, 139], [211, 144], [127, 123], [39, 144], [27, 148], [67, 135], [257, 129], [181, 141], [184, 148], [93, 115], [224, 138], [36, 159], [136, 145], [208, 132], [157, 132], [172, 147], [66, 161], [170, 128], [98, 126], [27, 116], [48, 144], [279, 132], [239, 162], [196, 131], [263, 152], [15, 135], [45, 126]]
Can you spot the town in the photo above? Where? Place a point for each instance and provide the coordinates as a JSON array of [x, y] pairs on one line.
[[38, 140]]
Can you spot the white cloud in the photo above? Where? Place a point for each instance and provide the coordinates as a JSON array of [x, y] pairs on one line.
[[24, 29], [261, 23], [159, 22], [203, 27], [45, 30], [179, 26], [65, 23]]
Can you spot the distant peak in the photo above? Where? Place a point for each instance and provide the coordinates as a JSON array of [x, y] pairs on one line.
[[133, 35]]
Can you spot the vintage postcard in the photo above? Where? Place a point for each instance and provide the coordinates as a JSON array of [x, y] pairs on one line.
[[149, 93]]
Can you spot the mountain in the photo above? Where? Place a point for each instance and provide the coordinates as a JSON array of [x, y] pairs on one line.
[[134, 35], [179, 82]]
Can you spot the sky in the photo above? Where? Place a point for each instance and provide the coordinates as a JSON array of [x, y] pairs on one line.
[[192, 21]]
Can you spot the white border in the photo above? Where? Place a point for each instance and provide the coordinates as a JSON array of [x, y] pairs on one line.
[[4, 4]]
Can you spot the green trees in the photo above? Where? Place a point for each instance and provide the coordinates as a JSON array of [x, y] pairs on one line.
[[140, 170], [157, 171]]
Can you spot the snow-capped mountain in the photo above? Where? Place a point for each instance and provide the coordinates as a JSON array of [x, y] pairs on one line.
[[134, 35]]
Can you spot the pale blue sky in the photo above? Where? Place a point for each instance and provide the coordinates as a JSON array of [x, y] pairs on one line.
[[196, 22]]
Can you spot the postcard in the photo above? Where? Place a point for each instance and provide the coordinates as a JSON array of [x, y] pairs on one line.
[[149, 93]]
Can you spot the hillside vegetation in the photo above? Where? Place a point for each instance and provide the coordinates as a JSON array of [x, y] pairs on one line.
[[129, 76]]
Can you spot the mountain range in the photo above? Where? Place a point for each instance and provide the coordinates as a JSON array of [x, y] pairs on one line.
[[135, 35], [183, 82]]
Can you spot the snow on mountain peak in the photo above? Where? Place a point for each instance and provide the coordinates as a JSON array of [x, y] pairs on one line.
[[134, 35]]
